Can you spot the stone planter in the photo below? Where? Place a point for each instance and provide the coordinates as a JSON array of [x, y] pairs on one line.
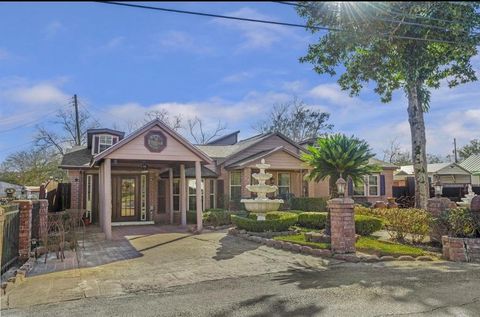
[[461, 249]]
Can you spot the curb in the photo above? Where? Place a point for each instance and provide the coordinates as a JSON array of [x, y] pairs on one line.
[[298, 248], [20, 275]]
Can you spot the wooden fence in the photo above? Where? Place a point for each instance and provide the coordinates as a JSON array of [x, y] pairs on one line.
[[9, 230]]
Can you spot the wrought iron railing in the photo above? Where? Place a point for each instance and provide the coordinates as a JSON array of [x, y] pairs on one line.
[[11, 230]]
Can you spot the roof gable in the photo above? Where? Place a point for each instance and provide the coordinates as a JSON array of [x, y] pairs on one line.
[[133, 147]]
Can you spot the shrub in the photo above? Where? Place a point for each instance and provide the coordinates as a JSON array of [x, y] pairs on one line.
[[366, 225], [309, 204], [459, 222], [275, 221], [314, 220], [216, 217], [366, 211], [400, 222]]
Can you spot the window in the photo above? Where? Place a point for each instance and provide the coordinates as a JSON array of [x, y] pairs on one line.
[[192, 194], [176, 194], [283, 183], [370, 186], [213, 190], [104, 142], [235, 185]]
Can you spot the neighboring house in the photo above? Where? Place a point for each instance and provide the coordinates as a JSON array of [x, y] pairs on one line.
[[454, 178], [472, 164], [154, 175]]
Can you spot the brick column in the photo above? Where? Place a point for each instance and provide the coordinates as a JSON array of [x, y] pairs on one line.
[[25, 235], [43, 216], [342, 225], [75, 189], [435, 206], [246, 180]]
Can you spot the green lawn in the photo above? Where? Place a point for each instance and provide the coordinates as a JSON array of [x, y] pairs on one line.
[[300, 239], [370, 245]]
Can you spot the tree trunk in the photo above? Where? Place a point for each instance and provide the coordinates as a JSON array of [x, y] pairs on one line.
[[419, 153]]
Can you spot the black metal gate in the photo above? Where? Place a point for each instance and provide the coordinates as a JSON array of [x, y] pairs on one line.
[[11, 230]]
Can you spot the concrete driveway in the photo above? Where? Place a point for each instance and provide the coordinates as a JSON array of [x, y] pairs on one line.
[[218, 275]]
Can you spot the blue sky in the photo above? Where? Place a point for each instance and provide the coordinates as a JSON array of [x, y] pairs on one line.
[[124, 61]]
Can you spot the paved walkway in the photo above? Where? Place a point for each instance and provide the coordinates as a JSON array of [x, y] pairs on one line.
[[97, 251]]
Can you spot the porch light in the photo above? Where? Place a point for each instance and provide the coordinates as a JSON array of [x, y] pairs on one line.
[[438, 188], [341, 184], [144, 166]]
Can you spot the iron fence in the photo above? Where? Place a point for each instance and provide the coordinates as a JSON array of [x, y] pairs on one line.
[[11, 230]]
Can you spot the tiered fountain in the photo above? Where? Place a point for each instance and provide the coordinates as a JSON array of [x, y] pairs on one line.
[[467, 200], [262, 204]]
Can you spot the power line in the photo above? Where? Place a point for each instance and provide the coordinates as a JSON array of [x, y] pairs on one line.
[[387, 35], [29, 123]]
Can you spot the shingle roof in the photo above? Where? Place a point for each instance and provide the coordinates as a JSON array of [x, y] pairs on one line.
[[381, 163], [435, 168], [472, 163], [81, 157], [223, 151]]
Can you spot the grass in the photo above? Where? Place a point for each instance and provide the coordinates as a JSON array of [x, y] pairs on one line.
[[300, 239], [370, 245]]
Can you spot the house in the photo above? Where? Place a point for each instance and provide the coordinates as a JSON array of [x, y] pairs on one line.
[[453, 177], [472, 164], [154, 175]]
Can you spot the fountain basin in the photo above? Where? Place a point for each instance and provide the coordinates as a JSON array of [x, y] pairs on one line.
[[259, 206]]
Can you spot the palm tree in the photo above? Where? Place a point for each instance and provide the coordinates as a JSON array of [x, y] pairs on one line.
[[336, 156]]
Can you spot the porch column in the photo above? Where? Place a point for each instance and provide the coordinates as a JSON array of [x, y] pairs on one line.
[[101, 198], [108, 198], [198, 194], [183, 194], [170, 193]]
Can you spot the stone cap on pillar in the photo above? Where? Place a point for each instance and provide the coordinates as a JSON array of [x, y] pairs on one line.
[[343, 202]]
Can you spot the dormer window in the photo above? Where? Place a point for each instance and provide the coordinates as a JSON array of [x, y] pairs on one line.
[[105, 141]]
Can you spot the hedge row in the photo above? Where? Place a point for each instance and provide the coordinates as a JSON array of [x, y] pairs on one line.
[[313, 220], [309, 204], [275, 221]]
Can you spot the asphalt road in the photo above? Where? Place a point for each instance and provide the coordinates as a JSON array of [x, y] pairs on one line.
[[415, 289]]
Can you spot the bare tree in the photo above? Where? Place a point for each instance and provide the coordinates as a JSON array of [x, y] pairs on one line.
[[60, 134], [174, 122], [296, 120], [394, 154], [202, 136], [31, 167]]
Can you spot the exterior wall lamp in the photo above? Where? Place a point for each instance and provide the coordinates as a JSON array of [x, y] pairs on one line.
[[438, 188]]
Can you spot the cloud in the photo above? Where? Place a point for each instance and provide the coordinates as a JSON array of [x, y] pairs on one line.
[[256, 35], [331, 93], [179, 41], [54, 28], [22, 102], [237, 77]]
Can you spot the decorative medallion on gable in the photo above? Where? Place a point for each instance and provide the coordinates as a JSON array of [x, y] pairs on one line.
[[155, 141]]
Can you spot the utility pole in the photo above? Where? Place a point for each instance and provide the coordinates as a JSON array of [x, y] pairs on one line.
[[455, 149], [77, 121]]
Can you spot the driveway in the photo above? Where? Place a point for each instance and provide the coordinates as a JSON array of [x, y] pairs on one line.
[[218, 275]]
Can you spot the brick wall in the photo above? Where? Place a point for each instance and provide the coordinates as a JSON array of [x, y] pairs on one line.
[[25, 232], [246, 180], [461, 249], [75, 190], [342, 225]]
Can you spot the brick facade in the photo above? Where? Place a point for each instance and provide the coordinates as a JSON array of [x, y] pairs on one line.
[[43, 216], [461, 249], [25, 232], [342, 225], [246, 180], [76, 194]]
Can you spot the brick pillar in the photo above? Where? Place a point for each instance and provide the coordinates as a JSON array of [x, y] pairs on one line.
[[342, 225], [75, 189], [43, 216], [435, 206], [25, 210], [246, 180]]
